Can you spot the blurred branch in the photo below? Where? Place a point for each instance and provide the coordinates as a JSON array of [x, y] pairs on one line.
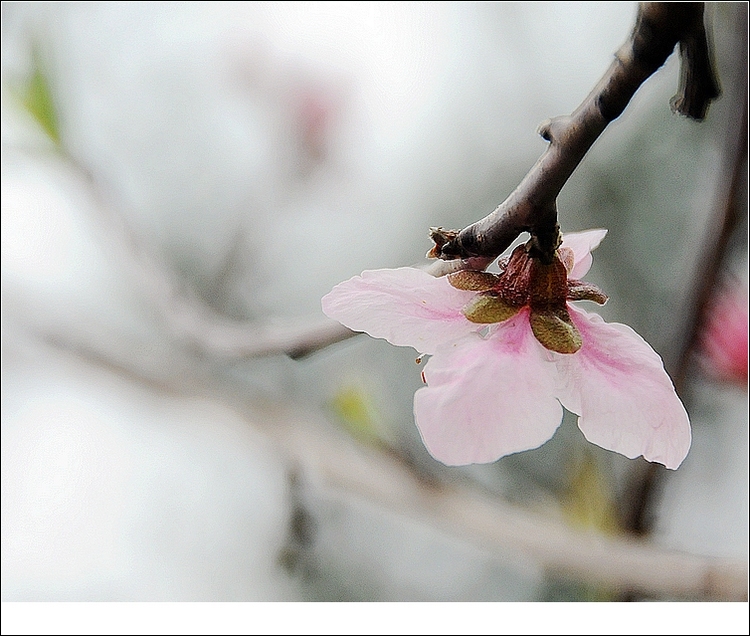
[[646, 481], [619, 562], [531, 207], [192, 323], [325, 457], [724, 220], [187, 319], [211, 335]]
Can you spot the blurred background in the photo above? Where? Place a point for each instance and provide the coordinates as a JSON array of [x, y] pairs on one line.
[[183, 182]]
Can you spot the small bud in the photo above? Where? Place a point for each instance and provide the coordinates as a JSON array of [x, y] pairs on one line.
[[543, 130]]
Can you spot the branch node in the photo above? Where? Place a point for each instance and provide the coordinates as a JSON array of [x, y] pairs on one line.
[[444, 243], [544, 130], [552, 129]]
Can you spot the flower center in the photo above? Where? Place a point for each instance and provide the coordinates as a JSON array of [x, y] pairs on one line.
[[526, 281]]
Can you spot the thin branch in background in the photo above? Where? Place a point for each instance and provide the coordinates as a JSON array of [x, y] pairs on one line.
[[531, 207], [646, 482], [189, 321], [329, 460], [726, 218]]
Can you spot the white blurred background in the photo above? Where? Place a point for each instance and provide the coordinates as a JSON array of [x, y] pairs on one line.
[[199, 164]]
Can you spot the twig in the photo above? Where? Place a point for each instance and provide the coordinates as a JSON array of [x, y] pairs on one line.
[[531, 207], [725, 219], [230, 340]]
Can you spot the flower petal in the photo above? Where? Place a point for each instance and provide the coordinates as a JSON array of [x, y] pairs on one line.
[[623, 395], [487, 398], [582, 244], [406, 306]]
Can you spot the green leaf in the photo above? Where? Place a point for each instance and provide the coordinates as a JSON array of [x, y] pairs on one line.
[[589, 502], [355, 409], [37, 99]]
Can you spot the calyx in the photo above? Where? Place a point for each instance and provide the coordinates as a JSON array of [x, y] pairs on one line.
[[526, 281]]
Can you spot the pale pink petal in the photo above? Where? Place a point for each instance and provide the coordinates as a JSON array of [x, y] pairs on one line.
[[582, 244], [406, 306], [486, 398], [623, 395]]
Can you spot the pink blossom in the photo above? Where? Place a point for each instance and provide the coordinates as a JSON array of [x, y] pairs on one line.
[[508, 351], [724, 338]]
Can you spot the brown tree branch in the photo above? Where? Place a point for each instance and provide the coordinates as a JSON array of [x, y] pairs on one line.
[[531, 207], [698, 83]]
